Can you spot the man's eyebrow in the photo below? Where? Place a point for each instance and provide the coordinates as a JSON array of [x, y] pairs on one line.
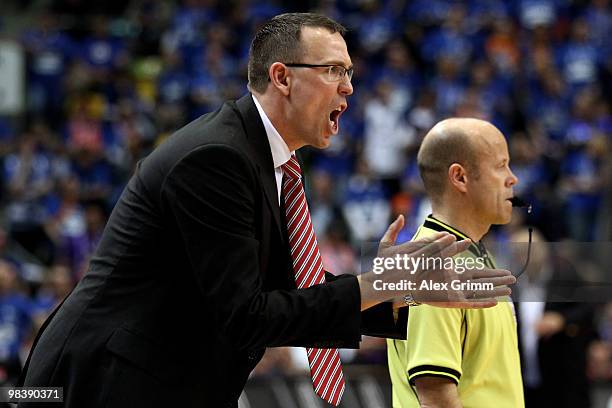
[[339, 63]]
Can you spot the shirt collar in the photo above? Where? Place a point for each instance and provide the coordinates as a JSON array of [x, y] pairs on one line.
[[278, 147], [435, 224]]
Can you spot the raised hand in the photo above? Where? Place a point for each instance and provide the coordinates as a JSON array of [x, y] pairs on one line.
[[444, 286]]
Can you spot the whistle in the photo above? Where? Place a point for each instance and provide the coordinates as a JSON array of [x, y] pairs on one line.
[[519, 202]]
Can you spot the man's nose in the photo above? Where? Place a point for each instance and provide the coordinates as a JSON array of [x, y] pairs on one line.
[[512, 180], [345, 87]]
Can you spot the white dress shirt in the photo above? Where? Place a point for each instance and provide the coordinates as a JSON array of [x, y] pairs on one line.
[[278, 147]]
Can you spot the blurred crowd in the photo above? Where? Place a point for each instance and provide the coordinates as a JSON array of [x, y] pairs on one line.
[[107, 81]]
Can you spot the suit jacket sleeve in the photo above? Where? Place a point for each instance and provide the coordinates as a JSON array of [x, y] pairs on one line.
[[381, 320], [209, 195]]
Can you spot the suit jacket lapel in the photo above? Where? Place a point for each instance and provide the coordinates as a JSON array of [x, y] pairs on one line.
[[256, 134]]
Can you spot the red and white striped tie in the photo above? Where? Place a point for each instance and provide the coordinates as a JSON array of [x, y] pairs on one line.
[[325, 367]]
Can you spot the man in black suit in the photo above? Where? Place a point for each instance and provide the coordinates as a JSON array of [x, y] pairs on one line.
[[555, 329], [193, 277]]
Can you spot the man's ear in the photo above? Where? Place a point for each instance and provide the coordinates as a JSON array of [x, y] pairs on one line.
[[457, 177], [279, 77]]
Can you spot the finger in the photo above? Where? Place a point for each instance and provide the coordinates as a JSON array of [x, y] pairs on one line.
[[413, 247], [491, 273], [480, 304], [418, 247], [477, 304], [486, 294], [436, 247], [496, 281], [456, 248], [393, 231]]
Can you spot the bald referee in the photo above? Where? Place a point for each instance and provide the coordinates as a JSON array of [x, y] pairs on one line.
[[466, 358]]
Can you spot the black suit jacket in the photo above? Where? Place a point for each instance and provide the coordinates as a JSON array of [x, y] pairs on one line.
[[192, 280]]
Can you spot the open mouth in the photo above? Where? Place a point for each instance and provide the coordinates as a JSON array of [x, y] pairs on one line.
[[334, 118]]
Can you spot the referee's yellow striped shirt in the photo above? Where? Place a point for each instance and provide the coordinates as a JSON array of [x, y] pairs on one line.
[[475, 348]]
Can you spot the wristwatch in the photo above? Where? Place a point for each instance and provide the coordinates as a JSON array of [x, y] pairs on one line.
[[409, 300]]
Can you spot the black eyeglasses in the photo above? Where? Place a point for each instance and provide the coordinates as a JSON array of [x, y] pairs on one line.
[[335, 73]]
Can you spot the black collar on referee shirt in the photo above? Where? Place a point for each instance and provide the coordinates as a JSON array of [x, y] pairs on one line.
[[477, 248]]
